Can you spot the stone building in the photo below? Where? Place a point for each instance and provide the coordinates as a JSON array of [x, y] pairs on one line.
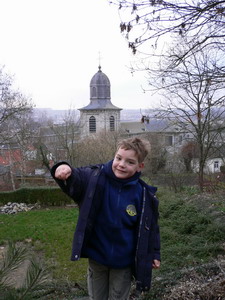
[[100, 114]]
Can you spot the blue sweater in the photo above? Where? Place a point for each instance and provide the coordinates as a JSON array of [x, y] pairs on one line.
[[113, 240]]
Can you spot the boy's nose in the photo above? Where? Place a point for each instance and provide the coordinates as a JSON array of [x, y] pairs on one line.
[[122, 163]]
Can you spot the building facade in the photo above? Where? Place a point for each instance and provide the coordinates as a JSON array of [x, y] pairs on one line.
[[100, 114]]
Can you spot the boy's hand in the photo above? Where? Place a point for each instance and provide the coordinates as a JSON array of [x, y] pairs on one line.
[[156, 264], [63, 172]]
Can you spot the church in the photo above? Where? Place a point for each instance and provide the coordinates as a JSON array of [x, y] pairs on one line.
[[100, 114]]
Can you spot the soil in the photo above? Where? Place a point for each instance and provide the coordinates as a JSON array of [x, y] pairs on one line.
[[204, 283]]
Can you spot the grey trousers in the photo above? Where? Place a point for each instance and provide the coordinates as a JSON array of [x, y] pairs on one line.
[[105, 283]]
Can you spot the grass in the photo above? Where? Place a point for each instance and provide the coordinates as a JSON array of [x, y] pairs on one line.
[[189, 238], [50, 232]]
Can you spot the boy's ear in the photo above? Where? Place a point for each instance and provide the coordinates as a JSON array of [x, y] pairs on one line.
[[141, 166]]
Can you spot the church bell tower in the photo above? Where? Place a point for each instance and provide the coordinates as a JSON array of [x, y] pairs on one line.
[[100, 114]]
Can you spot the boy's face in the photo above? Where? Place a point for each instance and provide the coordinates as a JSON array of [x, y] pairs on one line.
[[125, 164]]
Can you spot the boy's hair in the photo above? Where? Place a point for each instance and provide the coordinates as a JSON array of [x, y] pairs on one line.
[[140, 146]]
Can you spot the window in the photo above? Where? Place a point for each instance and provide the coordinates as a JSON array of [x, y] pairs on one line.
[[92, 124], [216, 165], [169, 140], [180, 139], [112, 123], [94, 93]]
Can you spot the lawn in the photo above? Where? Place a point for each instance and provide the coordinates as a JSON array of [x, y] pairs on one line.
[[50, 232], [190, 238]]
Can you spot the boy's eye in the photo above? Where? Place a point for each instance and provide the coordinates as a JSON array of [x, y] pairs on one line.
[[131, 162]]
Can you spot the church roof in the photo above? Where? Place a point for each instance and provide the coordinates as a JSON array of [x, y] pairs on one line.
[[100, 79], [100, 93], [100, 104]]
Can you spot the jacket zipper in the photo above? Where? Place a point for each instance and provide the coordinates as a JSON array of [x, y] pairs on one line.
[[118, 202], [141, 221]]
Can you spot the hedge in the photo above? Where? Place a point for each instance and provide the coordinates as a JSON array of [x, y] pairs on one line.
[[42, 195]]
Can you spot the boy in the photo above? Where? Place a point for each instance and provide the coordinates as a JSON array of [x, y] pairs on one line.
[[117, 229]]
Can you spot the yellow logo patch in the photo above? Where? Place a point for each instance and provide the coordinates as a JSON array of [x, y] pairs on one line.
[[131, 210]]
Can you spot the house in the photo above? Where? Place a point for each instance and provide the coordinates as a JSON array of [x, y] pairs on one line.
[[214, 163]]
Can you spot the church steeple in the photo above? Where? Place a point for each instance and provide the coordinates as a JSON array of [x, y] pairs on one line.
[[100, 86], [100, 114]]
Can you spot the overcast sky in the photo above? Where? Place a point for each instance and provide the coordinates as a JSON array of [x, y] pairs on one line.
[[52, 49]]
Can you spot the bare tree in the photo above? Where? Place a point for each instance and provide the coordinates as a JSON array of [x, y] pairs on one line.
[[188, 153], [184, 45], [60, 139], [12, 102], [18, 139], [195, 101], [25, 137], [157, 158], [152, 22], [98, 148]]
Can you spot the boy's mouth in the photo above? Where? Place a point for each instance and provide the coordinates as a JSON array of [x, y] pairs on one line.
[[121, 171]]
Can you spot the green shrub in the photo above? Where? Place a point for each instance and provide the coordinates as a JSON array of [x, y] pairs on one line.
[[41, 195]]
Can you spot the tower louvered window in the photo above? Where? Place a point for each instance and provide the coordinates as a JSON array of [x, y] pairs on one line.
[[94, 92]]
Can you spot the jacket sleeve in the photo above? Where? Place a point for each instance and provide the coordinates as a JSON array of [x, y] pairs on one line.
[[75, 185], [156, 254]]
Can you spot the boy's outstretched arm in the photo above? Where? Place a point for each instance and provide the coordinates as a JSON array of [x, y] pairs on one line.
[[68, 179]]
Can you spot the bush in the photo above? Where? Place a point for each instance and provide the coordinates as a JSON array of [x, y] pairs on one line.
[[222, 169], [42, 195], [177, 182]]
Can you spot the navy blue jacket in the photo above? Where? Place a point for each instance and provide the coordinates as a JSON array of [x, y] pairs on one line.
[[86, 187]]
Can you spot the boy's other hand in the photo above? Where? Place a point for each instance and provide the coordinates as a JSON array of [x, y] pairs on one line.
[[156, 264], [63, 172]]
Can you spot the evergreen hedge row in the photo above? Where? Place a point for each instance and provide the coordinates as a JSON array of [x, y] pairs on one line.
[[51, 196]]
